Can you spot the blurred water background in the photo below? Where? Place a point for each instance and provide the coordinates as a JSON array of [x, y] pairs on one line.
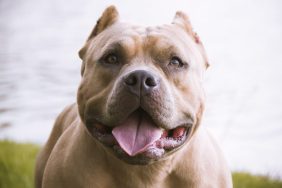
[[40, 68]]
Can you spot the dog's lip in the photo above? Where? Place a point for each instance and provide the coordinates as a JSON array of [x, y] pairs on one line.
[[168, 141], [157, 151], [171, 139], [104, 129]]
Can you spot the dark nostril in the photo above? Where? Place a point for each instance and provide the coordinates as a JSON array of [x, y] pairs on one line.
[[131, 80], [140, 82], [151, 82]]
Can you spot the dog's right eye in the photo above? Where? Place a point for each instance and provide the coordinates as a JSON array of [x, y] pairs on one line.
[[176, 62], [111, 59]]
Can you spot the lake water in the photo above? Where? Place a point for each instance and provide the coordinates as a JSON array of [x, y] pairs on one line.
[[40, 68]]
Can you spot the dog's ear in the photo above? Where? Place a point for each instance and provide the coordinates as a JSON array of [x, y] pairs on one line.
[[109, 17], [183, 21]]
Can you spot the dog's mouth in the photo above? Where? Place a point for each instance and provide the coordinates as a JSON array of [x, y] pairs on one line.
[[138, 139]]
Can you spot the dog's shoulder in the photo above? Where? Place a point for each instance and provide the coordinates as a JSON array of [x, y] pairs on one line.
[[213, 164], [63, 121], [66, 118], [203, 157]]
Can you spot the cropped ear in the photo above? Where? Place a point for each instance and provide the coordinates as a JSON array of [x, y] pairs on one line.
[[183, 21], [108, 18]]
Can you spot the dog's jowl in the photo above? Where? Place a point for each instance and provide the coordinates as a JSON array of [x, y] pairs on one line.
[[136, 121]]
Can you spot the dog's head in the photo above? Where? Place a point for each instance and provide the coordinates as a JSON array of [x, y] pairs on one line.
[[141, 91]]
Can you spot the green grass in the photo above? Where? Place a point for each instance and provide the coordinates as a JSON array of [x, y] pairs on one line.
[[246, 180], [17, 169], [17, 164]]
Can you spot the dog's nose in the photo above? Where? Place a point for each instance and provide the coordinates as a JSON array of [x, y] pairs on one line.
[[140, 82]]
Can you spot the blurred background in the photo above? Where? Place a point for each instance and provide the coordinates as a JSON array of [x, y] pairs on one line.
[[40, 68]]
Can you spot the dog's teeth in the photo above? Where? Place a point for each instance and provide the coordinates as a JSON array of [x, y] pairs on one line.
[[178, 132], [165, 134]]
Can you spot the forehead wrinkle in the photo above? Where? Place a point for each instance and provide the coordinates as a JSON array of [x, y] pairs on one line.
[[160, 45], [128, 36], [127, 43], [182, 42]]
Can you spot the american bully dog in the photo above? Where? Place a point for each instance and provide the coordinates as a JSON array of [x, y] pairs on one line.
[[136, 120]]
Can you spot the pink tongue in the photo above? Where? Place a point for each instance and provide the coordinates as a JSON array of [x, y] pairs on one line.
[[136, 134]]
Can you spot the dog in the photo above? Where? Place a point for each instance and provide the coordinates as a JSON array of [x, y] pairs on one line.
[[136, 120]]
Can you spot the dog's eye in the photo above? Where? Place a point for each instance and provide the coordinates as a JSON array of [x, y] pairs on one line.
[[111, 59], [176, 62]]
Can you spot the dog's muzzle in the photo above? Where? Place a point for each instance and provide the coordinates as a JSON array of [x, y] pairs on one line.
[[137, 133]]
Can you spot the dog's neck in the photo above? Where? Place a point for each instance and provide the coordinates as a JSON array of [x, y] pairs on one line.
[[147, 174]]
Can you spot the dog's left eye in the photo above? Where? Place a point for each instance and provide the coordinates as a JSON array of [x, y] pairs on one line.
[[176, 62], [111, 59]]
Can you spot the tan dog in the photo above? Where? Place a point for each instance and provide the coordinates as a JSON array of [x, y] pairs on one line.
[[136, 120]]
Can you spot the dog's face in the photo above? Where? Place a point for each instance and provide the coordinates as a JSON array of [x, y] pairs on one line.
[[141, 92]]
